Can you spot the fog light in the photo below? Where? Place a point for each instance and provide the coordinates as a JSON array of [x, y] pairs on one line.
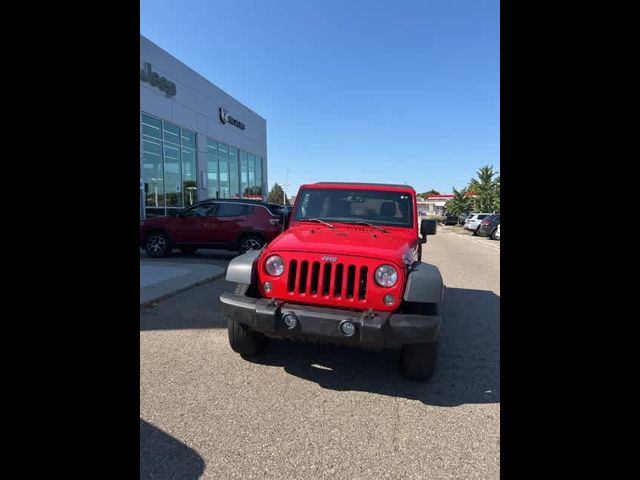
[[347, 328], [290, 320], [388, 299], [267, 286]]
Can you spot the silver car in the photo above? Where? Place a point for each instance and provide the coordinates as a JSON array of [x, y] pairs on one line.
[[473, 222]]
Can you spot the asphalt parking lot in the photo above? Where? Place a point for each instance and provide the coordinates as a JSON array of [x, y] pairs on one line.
[[318, 412]]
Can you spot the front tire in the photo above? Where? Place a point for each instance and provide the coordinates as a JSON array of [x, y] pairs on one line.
[[250, 242], [419, 360], [157, 245], [241, 339]]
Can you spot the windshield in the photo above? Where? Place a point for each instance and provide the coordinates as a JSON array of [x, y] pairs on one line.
[[341, 205]]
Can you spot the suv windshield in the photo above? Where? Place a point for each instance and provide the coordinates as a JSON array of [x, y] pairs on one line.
[[342, 205]]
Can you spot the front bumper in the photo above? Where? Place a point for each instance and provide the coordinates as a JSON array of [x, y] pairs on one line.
[[375, 330]]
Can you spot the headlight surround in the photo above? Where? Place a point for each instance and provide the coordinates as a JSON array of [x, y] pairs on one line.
[[386, 276], [274, 265]]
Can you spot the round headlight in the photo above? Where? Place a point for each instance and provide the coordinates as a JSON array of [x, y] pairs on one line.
[[274, 265], [386, 276]]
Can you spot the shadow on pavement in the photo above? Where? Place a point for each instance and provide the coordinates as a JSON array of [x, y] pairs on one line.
[[202, 255], [468, 369], [164, 457], [195, 308]]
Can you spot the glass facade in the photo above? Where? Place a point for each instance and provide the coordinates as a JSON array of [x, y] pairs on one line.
[[169, 168], [231, 172], [168, 164]]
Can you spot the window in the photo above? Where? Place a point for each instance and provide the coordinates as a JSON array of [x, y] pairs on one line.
[[231, 210], [189, 180], [259, 175], [213, 188], [372, 206], [202, 210], [231, 172], [152, 172], [169, 160], [234, 190], [251, 174], [172, 175]]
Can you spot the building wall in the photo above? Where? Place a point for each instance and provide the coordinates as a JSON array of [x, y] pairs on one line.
[[195, 106]]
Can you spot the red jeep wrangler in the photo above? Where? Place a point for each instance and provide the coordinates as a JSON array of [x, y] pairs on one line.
[[347, 271]]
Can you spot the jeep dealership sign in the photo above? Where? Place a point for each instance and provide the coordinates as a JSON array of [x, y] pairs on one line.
[[226, 118], [163, 84]]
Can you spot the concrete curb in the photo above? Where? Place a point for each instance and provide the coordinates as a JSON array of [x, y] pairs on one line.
[[153, 302]]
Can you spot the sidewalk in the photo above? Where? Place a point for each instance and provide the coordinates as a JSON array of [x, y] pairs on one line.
[[161, 280]]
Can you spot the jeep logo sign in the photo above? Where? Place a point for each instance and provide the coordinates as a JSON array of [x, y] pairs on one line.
[[226, 118], [163, 84], [327, 258]]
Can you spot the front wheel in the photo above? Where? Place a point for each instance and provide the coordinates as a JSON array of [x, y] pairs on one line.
[[242, 340], [157, 245], [250, 242], [419, 360]]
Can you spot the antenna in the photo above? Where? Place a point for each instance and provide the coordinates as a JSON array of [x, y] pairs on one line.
[[284, 188]]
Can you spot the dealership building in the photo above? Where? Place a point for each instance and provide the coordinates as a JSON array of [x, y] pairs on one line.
[[196, 141]]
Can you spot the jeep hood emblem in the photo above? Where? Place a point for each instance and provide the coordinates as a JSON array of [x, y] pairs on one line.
[[327, 258]]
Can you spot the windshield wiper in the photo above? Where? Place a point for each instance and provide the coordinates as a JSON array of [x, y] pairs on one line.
[[358, 222], [315, 220]]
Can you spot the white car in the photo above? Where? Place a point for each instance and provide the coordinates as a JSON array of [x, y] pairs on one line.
[[497, 234], [473, 222]]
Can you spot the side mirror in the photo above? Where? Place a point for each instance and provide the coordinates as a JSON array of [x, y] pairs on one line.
[[428, 227]]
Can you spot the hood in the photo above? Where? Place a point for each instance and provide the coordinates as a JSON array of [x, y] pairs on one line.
[[356, 240]]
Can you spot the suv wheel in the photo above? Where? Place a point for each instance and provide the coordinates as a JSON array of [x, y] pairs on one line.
[[157, 245], [250, 242], [419, 360], [242, 340]]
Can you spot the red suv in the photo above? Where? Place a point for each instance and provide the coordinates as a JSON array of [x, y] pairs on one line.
[[230, 224]]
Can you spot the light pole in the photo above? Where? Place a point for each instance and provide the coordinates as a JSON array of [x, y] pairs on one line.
[[284, 188], [155, 188], [190, 198]]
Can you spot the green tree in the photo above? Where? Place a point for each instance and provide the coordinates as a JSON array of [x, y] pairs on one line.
[[430, 192], [276, 195], [252, 191], [487, 189], [460, 203]]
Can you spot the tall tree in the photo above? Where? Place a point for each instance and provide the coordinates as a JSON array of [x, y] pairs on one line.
[[276, 195], [460, 203], [487, 189], [430, 192]]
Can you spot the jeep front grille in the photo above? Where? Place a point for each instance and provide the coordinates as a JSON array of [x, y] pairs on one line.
[[326, 279]]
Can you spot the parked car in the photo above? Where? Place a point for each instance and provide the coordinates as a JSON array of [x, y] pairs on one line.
[[450, 219], [488, 226], [462, 218], [347, 271], [231, 224], [473, 222], [496, 235]]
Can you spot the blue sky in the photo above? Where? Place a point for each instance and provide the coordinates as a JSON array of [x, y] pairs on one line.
[[352, 90]]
